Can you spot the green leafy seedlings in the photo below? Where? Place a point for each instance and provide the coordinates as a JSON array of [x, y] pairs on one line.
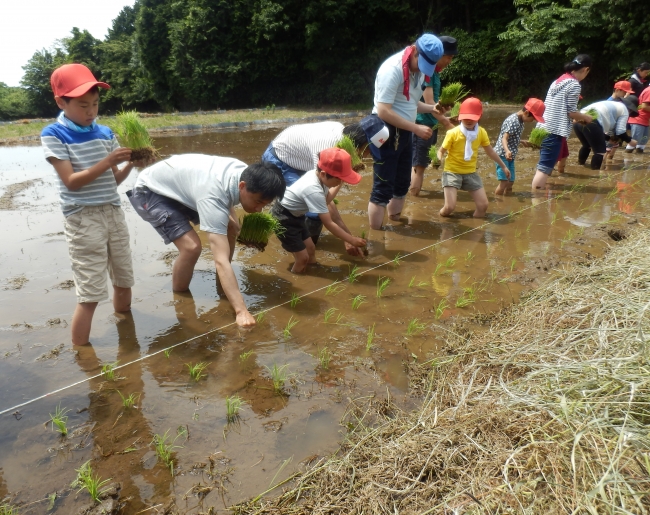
[[233, 405], [513, 264], [8, 509], [438, 267], [196, 371], [60, 420], [279, 376], [329, 314], [257, 228], [469, 256], [133, 134], [259, 318], [455, 111], [290, 325], [517, 233], [108, 370], [452, 93], [370, 337], [86, 481], [412, 282], [451, 261], [440, 308], [593, 113], [554, 218], [168, 352], [493, 274], [334, 289], [354, 274], [382, 284], [346, 143], [357, 301], [528, 227], [397, 259], [295, 299], [243, 357], [129, 402], [336, 201], [433, 156], [415, 327], [324, 357], [164, 447], [567, 238], [537, 135]]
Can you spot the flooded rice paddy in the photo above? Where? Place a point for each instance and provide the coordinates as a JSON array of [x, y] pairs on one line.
[[444, 273]]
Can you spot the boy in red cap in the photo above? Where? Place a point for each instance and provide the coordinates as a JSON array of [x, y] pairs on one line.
[[85, 156], [462, 143], [507, 145], [622, 89], [312, 193]]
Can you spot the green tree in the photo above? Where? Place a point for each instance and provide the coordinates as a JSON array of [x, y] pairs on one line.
[[14, 103], [36, 80]]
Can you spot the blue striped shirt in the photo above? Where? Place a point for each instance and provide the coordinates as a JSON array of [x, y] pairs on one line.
[[83, 150]]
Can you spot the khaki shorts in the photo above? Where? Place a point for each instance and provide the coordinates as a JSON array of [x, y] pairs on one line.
[[98, 243], [462, 181]]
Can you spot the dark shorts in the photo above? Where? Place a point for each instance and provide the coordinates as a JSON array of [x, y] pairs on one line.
[[421, 149], [170, 218], [295, 229], [392, 167], [549, 154]]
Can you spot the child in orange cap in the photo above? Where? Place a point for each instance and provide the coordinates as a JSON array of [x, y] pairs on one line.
[[462, 143]]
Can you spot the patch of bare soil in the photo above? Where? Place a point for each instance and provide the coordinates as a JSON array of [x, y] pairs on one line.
[[15, 283], [8, 198]]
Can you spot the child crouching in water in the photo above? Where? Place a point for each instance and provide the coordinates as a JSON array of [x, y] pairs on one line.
[[462, 144], [311, 193], [507, 145]]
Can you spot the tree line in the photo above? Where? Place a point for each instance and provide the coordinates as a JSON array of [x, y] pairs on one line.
[[163, 55]]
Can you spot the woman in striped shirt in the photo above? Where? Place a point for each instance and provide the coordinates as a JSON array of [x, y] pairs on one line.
[[561, 111]]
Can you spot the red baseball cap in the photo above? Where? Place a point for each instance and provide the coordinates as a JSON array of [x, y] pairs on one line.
[[337, 162], [624, 85], [74, 80], [471, 109], [536, 107]]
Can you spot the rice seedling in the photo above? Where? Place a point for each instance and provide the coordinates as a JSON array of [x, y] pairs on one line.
[[8, 509], [168, 352], [433, 156], [86, 481], [397, 259], [528, 227], [415, 327], [513, 264], [452, 93], [463, 302], [329, 314], [279, 376], [554, 218], [423, 283], [165, 449], [259, 318], [257, 228], [334, 289], [469, 256], [286, 332], [537, 135], [336, 201], [324, 357], [382, 284], [60, 420], [612, 194], [438, 267], [517, 233], [370, 337], [354, 274], [233, 405], [196, 371], [243, 357], [451, 261], [411, 282], [493, 274], [108, 370], [295, 299], [357, 301], [593, 113], [133, 134], [347, 144], [567, 237], [129, 402], [183, 431], [455, 111]]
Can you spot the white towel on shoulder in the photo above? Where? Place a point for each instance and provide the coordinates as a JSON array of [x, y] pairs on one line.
[[470, 136]]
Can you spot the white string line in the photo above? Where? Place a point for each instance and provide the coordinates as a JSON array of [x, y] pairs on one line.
[[147, 356]]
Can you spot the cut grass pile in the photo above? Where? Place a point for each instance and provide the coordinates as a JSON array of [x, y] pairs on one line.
[[133, 134], [257, 228], [544, 412]]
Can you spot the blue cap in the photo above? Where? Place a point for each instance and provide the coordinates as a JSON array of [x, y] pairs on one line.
[[430, 50]]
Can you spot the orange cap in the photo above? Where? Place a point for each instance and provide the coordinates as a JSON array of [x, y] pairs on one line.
[[471, 109], [337, 162], [624, 85], [74, 80], [536, 107]]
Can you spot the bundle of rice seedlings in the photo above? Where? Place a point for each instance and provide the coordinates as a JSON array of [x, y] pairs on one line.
[[134, 135], [593, 113], [257, 228], [455, 111], [433, 155], [537, 135], [347, 144], [452, 93]]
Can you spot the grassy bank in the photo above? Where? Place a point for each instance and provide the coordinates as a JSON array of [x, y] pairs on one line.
[[544, 412]]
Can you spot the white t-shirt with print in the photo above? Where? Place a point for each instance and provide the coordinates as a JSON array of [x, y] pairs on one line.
[[206, 184], [307, 194]]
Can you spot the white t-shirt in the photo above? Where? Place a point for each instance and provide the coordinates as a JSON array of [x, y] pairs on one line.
[[612, 116], [307, 194], [206, 184], [389, 88], [299, 145]]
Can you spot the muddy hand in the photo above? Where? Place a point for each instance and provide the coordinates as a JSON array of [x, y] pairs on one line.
[[245, 319], [119, 155], [353, 251]]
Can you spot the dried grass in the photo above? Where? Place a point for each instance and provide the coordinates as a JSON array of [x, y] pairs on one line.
[[545, 412]]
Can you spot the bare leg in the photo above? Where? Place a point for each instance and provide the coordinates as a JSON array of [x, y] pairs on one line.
[[304, 257], [502, 188], [121, 299], [81, 321], [395, 207], [561, 165], [189, 246], [417, 177], [375, 215], [451, 195], [481, 201], [539, 181]]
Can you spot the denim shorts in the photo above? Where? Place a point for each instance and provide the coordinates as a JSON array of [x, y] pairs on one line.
[[462, 181], [392, 167], [639, 133], [421, 149], [170, 218], [501, 175], [549, 153]]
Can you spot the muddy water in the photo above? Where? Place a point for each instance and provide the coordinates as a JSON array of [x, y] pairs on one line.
[[441, 271]]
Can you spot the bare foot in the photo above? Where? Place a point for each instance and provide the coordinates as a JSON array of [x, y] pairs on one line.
[[395, 217]]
